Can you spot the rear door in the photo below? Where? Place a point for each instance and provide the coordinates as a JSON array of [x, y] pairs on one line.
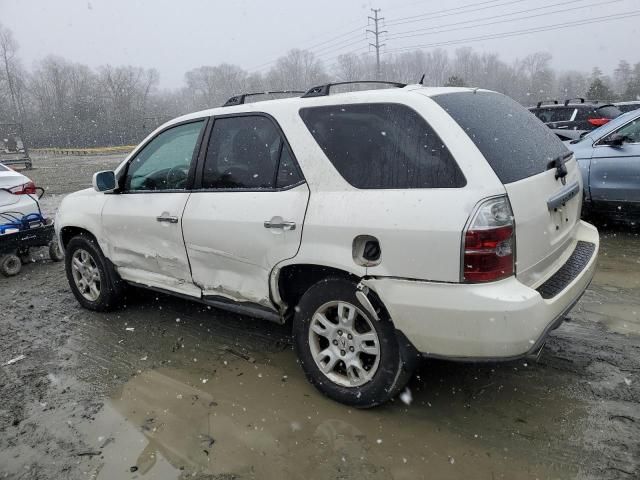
[[522, 153], [615, 170], [248, 211]]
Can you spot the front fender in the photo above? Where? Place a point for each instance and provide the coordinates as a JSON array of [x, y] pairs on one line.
[[82, 210]]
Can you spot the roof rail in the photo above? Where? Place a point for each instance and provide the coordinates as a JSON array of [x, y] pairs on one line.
[[540, 103], [323, 90], [239, 99], [568, 100]]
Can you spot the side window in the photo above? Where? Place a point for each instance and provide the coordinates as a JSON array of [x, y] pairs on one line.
[[245, 152], [382, 146], [288, 172], [163, 164], [584, 114], [631, 131], [546, 114]]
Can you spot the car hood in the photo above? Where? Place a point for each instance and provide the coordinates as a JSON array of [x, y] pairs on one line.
[[582, 149]]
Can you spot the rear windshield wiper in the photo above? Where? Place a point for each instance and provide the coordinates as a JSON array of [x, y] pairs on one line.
[[558, 164]]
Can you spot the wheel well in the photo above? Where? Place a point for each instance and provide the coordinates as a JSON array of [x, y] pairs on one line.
[[295, 280], [67, 233]]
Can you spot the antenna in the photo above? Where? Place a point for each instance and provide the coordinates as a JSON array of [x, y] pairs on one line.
[[421, 82]]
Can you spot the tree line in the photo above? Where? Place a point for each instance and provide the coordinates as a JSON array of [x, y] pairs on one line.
[[66, 104]]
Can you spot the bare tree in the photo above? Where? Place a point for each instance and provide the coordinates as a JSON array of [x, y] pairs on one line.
[[11, 71], [126, 90], [538, 74], [299, 69], [211, 86]]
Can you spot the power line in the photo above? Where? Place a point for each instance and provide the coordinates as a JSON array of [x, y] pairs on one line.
[[359, 30], [558, 26], [435, 30], [426, 29], [341, 47], [331, 40], [450, 12]]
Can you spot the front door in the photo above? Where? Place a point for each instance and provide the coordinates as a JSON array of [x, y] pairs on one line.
[[143, 223], [248, 212], [614, 176]]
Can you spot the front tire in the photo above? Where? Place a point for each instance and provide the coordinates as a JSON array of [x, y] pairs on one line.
[[93, 280], [344, 352]]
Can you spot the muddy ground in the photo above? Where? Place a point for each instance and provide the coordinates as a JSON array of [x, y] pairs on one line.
[[170, 389]]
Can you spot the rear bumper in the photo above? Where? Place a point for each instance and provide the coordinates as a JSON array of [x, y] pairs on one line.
[[495, 321]]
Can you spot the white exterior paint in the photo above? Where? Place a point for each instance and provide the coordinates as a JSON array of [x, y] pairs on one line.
[[232, 254], [15, 204], [220, 247]]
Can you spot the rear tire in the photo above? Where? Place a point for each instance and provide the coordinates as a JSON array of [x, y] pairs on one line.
[[93, 280], [345, 353], [10, 265]]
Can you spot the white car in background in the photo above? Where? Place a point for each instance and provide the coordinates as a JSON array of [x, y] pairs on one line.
[[17, 195], [381, 223]]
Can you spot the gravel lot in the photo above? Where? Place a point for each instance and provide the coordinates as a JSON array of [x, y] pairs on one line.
[[170, 389]]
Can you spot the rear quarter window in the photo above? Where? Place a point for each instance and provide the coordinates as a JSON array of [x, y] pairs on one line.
[[382, 146], [515, 144]]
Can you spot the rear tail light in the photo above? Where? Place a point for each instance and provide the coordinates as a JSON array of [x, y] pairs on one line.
[[28, 188], [489, 243], [598, 122]]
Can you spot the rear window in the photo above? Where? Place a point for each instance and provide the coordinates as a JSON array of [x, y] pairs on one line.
[[514, 142], [382, 146]]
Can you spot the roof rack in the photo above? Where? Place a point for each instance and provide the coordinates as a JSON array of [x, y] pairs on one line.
[[568, 100], [540, 103], [323, 90], [239, 99]]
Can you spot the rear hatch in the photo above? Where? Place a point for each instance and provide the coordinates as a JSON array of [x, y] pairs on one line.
[[9, 179], [541, 178]]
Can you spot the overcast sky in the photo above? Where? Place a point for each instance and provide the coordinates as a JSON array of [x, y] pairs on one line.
[[174, 36]]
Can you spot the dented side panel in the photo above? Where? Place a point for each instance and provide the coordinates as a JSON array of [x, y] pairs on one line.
[[143, 249], [231, 251]]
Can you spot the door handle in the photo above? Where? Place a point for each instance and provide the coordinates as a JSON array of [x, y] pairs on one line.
[[283, 225], [167, 219]]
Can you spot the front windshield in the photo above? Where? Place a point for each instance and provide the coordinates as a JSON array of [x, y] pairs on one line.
[[347, 240]]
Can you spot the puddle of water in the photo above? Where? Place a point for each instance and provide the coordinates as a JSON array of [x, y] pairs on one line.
[[619, 317], [619, 260], [266, 422]]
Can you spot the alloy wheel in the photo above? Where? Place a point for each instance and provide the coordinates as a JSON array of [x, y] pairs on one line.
[[344, 344]]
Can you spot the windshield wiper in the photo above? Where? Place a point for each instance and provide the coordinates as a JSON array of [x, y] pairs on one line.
[[558, 164]]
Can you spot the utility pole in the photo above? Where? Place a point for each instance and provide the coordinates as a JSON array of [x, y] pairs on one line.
[[377, 32]]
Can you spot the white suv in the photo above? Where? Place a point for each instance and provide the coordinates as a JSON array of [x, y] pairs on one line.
[[381, 223]]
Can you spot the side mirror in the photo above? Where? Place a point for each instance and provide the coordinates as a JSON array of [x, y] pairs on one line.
[[104, 181], [615, 140]]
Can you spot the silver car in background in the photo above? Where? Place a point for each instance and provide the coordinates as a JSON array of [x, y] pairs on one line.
[[609, 159]]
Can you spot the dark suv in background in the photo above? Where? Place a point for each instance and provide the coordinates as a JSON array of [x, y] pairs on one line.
[[574, 114], [629, 106]]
